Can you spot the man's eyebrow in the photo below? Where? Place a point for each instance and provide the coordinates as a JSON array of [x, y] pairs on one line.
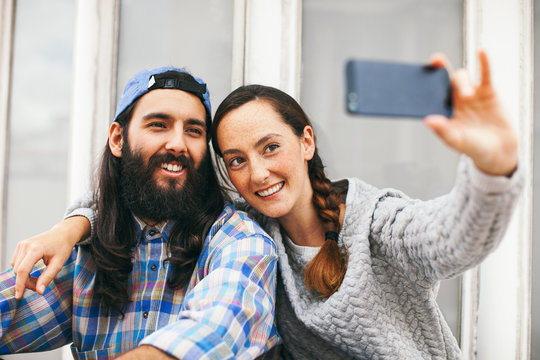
[[257, 144], [198, 122], [156, 115], [165, 116]]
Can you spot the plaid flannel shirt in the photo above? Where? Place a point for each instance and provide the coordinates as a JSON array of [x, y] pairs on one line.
[[226, 311]]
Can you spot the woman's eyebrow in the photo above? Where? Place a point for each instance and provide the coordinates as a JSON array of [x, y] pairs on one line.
[[257, 144], [265, 139]]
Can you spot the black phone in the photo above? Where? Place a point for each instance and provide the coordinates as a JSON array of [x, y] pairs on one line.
[[397, 89]]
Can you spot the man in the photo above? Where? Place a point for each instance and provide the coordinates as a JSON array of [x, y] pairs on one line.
[[169, 270]]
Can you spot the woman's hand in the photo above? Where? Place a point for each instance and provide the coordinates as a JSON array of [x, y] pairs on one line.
[[53, 246], [479, 127]]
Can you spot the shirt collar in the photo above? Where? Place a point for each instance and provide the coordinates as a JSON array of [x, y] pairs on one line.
[[146, 232]]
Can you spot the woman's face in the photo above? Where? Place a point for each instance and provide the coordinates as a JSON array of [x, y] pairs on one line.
[[266, 161]]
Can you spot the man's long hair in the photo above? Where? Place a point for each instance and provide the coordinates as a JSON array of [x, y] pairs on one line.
[[114, 240]]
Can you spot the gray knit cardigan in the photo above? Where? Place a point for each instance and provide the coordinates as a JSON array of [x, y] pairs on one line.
[[398, 250]]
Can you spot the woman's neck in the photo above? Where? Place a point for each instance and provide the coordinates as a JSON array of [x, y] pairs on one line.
[[304, 228]]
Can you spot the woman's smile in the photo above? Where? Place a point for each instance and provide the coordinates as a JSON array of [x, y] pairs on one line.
[[271, 190]]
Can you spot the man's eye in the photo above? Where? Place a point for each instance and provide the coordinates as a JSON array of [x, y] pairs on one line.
[[195, 131], [157, 125]]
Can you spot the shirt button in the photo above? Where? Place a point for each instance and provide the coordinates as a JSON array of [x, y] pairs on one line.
[[145, 314], [153, 267]]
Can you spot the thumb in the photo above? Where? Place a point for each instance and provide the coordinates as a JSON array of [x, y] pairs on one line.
[[47, 276], [442, 126]]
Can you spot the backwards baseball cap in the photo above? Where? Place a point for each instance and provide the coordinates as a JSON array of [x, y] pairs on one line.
[[146, 80]]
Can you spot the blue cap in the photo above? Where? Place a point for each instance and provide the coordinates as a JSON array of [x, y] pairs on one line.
[[144, 81]]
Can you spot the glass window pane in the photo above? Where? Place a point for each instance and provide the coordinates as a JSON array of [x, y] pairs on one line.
[[397, 153], [39, 117], [39, 123], [191, 34]]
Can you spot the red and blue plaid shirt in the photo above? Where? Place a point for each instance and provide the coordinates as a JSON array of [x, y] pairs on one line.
[[227, 310]]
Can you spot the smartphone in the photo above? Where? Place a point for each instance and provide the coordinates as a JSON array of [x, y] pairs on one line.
[[397, 89]]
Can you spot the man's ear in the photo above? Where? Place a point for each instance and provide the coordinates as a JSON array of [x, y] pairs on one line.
[[308, 141], [116, 139]]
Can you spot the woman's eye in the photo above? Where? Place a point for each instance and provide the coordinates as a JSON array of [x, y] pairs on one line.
[[235, 162], [271, 148]]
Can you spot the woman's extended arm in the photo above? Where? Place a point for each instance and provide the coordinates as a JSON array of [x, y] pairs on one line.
[[449, 234]]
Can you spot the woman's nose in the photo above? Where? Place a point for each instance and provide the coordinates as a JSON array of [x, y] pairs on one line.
[[259, 172]]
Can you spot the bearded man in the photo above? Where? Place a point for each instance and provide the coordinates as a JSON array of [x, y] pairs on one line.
[[170, 270]]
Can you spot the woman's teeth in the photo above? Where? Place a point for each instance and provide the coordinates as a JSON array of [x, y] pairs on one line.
[[274, 189]]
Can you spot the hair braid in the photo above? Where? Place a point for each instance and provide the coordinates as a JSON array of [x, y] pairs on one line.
[[326, 270]]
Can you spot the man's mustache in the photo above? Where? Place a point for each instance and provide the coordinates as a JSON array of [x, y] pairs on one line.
[[157, 159]]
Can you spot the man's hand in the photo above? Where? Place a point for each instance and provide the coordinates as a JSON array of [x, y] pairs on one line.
[[53, 246], [479, 127], [145, 352]]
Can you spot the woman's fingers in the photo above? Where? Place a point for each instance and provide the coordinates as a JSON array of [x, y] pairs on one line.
[[445, 130], [485, 70], [52, 269], [440, 60], [22, 271], [463, 84]]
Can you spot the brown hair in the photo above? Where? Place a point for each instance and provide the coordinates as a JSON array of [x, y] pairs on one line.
[[326, 270]]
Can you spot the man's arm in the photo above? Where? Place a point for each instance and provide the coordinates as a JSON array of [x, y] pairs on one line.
[[36, 323], [228, 311]]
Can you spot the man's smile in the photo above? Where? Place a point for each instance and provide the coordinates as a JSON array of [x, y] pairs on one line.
[[172, 167]]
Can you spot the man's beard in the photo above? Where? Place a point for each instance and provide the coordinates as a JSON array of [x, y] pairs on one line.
[[171, 200]]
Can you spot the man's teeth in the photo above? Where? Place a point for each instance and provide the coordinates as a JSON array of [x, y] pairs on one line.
[[274, 189], [171, 167]]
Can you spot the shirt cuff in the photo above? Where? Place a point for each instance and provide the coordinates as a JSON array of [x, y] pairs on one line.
[[188, 339]]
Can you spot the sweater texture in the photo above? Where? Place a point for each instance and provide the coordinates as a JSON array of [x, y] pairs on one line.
[[398, 250]]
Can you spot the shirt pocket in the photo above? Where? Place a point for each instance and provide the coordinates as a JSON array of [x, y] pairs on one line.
[[102, 354]]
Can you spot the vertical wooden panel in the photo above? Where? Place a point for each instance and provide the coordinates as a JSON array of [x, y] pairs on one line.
[[7, 15], [504, 29], [272, 44], [94, 67]]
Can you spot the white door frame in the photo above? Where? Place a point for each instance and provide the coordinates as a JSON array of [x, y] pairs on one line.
[[504, 308]]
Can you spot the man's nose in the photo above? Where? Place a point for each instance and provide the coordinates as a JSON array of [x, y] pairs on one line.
[[176, 143]]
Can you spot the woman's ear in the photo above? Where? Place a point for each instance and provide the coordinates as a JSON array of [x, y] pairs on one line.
[[116, 139], [308, 141]]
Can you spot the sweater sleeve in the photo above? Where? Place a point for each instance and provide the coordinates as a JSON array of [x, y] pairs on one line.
[[441, 238], [83, 206]]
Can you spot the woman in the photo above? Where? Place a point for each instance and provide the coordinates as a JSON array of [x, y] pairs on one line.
[[359, 267]]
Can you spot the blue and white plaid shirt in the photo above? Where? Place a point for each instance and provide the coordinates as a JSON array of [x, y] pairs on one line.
[[227, 310]]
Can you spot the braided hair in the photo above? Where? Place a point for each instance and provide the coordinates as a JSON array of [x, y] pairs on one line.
[[326, 270]]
